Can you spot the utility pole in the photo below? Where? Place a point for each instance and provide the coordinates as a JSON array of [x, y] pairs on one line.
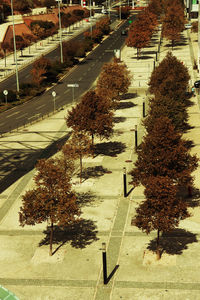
[[14, 43], [60, 29]]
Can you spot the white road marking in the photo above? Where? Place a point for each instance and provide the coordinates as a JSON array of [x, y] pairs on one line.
[[21, 116], [15, 113], [40, 106], [67, 91], [2, 124]]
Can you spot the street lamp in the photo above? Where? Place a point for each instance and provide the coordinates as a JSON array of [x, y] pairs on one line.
[[54, 101], [120, 11], [5, 92], [15, 52], [105, 278], [60, 29]]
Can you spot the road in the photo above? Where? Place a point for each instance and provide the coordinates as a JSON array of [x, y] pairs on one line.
[[84, 74]]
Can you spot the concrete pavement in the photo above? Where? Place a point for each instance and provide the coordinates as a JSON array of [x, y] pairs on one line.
[[75, 270]]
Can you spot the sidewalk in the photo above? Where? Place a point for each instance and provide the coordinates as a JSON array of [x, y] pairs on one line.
[[75, 270]]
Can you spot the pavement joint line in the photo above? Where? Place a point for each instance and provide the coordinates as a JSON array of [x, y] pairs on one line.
[[159, 285]]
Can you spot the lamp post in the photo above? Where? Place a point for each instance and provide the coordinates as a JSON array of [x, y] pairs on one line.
[[15, 52], [104, 263], [124, 180], [120, 11], [54, 101], [5, 92], [60, 33]]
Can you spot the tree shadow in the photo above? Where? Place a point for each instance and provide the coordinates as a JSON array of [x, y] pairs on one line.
[[124, 105], [109, 148], [94, 172], [79, 234], [174, 242], [145, 57], [128, 96], [119, 119], [150, 52], [85, 199], [194, 200]]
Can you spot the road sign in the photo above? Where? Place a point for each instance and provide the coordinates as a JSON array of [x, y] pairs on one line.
[[5, 92], [73, 85], [53, 93]]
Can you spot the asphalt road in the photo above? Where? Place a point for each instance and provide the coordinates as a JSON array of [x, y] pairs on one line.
[[83, 74]]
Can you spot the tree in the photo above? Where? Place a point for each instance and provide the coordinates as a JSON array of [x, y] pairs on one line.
[[162, 210], [103, 25], [40, 68], [29, 39], [23, 6], [166, 106], [141, 30], [155, 7], [164, 153], [52, 200], [173, 23], [113, 80], [5, 46], [92, 116], [194, 27], [170, 78], [78, 146]]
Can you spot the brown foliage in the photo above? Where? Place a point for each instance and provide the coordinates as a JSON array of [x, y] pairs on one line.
[[113, 80], [78, 146], [40, 68], [91, 115], [164, 153], [52, 199], [170, 78], [141, 30], [162, 210], [166, 106], [173, 22]]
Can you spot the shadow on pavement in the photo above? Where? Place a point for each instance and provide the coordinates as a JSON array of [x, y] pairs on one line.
[[124, 105], [85, 199], [119, 119], [128, 96], [15, 163], [94, 172], [79, 234], [174, 242], [109, 148]]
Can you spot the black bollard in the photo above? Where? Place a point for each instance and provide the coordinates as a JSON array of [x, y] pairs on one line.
[[143, 110], [124, 177], [136, 136], [104, 263]]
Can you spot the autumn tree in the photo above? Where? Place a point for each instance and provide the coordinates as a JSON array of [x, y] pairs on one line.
[[92, 115], [194, 27], [5, 46], [40, 68], [114, 79], [103, 25], [52, 200], [170, 78], [23, 6], [155, 6], [173, 23], [162, 210], [78, 146], [166, 106], [29, 39], [141, 30], [164, 153]]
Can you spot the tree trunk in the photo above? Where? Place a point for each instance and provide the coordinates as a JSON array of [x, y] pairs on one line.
[[51, 239], [189, 191], [158, 252], [81, 168]]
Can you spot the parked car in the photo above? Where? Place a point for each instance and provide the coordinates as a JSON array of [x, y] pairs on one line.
[[188, 26], [197, 84], [104, 11]]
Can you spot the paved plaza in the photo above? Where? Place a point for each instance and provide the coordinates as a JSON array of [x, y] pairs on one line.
[[75, 269]]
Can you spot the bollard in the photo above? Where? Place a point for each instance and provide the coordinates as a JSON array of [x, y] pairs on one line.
[[143, 109], [136, 136], [104, 263], [124, 180]]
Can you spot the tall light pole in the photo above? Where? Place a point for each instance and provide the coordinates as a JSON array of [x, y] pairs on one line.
[[60, 29], [90, 18], [15, 52]]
